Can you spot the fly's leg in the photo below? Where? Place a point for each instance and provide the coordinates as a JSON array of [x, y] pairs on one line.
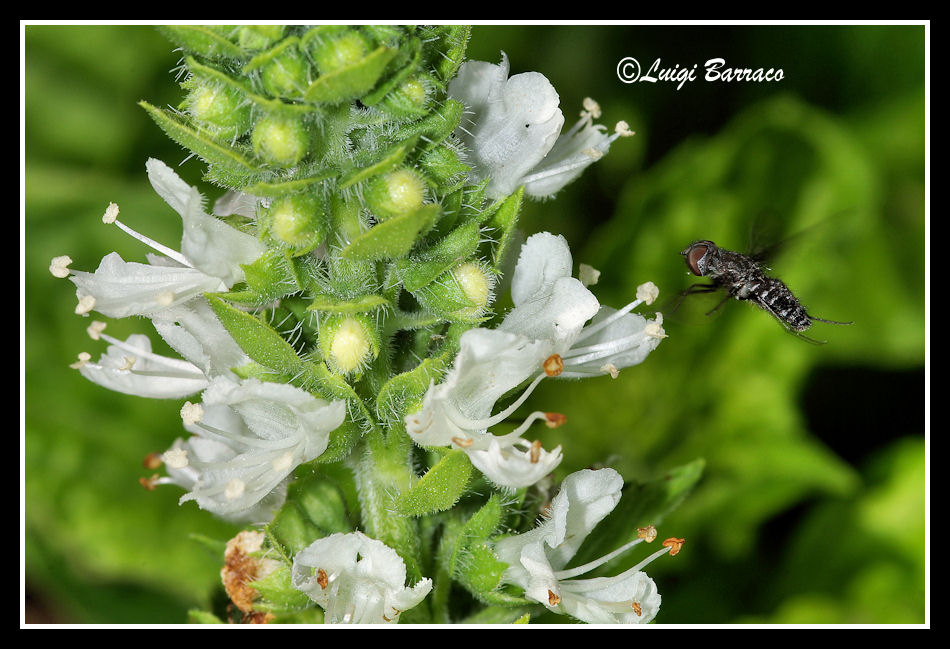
[[718, 306], [829, 321], [692, 290]]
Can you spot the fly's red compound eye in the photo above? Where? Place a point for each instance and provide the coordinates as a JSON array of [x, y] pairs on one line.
[[694, 255]]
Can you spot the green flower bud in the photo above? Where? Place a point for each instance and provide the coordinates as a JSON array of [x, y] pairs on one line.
[[348, 343], [463, 292], [340, 52], [281, 140], [287, 74], [395, 193], [221, 110], [408, 100], [257, 37], [298, 220]]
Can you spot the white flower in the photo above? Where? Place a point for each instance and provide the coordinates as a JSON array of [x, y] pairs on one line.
[[210, 259], [192, 330], [539, 337], [514, 135], [130, 367], [536, 559], [356, 579], [250, 437]]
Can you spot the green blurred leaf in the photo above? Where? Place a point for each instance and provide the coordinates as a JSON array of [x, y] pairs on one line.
[[640, 505]]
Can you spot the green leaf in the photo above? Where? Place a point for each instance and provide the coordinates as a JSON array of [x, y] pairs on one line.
[[413, 51], [262, 59], [439, 489], [257, 339], [362, 304], [483, 523], [350, 81], [500, 614], [400, 389], [390, 160], [270, 276], [209, 73], [444, 166], [480, 573], [229, 166], [277, 189], [502, 224], [419, 270], [208, 41], [291, 531], [322, 501], [342, 440], [450, 42], [472, 562], [278, 592], [392, 238], [437, 126]]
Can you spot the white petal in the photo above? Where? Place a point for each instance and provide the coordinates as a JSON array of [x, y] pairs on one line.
[[476, 81], [489, 364], [148, 375], [544, 258], [585, 499], [572, 153], [123, 288], [232, 202], [515, 122], [194, 331], [549, 303], [280, 411], [608, 600], [622, 343], [203, 452], [356, 579], [507, 466], [211, 245], [271, 428]]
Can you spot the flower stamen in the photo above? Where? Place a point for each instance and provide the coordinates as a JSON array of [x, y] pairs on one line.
[[674, 544], [110, 218], [647, 533], [553, 365]]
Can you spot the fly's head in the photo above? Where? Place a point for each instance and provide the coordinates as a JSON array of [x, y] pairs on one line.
[[702, 258]]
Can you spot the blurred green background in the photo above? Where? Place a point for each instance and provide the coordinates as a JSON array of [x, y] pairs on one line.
[[812, 507]]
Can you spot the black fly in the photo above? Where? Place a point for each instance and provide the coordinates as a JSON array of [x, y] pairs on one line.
[[743, 278]]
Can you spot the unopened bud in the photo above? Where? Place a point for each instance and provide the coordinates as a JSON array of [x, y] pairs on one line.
[[340, 52], [298, 220], [395, 193], [348, 343], [281, 140], [219, 109]]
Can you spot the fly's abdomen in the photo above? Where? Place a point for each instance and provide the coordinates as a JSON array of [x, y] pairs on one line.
[[772, 295]]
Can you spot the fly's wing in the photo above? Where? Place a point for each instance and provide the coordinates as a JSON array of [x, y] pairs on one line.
[[770, 235]]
